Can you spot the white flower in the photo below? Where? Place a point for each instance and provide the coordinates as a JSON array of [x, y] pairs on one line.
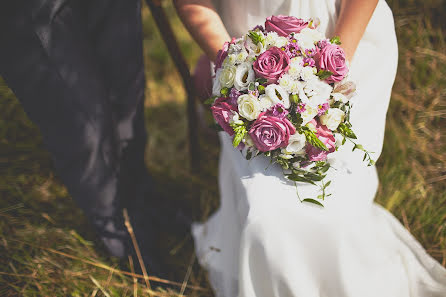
[[318, 92], [230, 60], [340, 97], [286, 82], [248, 106], [284, 155], [227, 76], [308, 73], [236, 46], [273, 39], [216, 86], [241, 56], [248, 141], [332, 118], [254, 49], [307, 38], [296, 144], [243, 76], [265, 102], [308, 114], [278, 95], [235, 119], [295, 87], [295, 67]]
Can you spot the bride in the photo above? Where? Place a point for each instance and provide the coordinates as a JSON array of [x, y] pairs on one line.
[[262, 242]]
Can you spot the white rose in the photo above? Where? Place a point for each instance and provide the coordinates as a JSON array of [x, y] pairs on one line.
[[248, 106], [230, 60], [285, 82], [227, 76], [308, 73], [305, 41], [265, 102], [312, 34], [318, 92], [332, 118], [296, 144], [243, 76], [216, 86], [278, 95], [308, 114]]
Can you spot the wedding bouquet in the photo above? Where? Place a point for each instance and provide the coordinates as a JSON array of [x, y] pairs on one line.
[[282, 91]]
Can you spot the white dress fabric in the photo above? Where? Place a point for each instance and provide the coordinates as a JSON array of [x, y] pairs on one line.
[[262, 242]]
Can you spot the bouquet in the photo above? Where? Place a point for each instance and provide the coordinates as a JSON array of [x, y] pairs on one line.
[[282, 90]]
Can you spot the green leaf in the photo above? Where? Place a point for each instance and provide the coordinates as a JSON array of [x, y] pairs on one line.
[[224, 91], [261, 89], [256, 37], [210, 100], [294, 98], [313, 140], [324, 74], [314, 176], [299, 178], [346, 131], [327, 184], [309, 200], [335, 40], [261, 80]]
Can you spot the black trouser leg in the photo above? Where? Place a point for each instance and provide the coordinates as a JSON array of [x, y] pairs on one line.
[[79, 77]]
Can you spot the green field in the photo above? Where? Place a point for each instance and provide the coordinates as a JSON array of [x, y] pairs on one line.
[[47, 248]]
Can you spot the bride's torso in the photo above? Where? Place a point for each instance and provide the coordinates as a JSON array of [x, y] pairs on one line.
[[373, 67]]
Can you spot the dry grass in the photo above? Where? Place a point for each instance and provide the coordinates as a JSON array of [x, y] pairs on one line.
[[47, 249]]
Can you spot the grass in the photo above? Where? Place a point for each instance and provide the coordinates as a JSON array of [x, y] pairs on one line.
[[47, 248]]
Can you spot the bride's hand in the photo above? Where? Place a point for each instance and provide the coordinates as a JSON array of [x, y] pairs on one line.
[[204, 24], [352, 21]]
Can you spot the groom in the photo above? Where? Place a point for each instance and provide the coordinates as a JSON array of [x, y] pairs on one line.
[[77, 68]]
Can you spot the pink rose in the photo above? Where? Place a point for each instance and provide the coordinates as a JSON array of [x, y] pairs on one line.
[[269, 133], [285, 25], [326, 136], [222, 113], [332, 58], [271, 64]]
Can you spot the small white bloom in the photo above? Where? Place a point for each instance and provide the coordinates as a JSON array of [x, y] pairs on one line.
[[243, 76], [295, 67], [308, 73], [230, 60], [285, 82], [236, 46], [235, 119], [332, 118], [265, 102], [318, 92], [278, 95], [281, 41], [248, 106], [296, 144], [241, 56], [273, 39], [305, 41], [308, 114], [295, 87], [216, 86], [227, 76], [313, 34]]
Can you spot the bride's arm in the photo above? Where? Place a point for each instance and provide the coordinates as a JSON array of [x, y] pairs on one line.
[[352, 21], [204, 24]]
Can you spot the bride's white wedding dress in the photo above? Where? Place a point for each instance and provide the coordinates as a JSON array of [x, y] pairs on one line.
[[263, 242]]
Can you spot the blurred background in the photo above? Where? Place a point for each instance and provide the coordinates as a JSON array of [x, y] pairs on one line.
[[47, 249]]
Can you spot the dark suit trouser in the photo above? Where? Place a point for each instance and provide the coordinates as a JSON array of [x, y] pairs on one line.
[[76, 67]]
